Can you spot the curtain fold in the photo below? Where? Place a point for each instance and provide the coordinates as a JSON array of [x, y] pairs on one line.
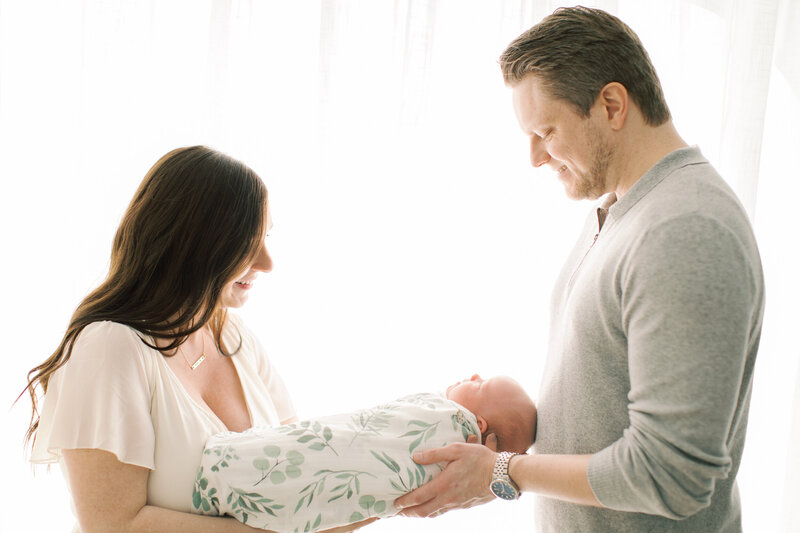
[[751, 44], [790, 514]]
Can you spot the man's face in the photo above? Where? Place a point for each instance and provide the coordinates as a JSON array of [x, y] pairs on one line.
[[575, 147]]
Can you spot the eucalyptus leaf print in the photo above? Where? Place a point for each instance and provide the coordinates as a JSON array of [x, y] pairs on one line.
[[202, 500], [402, 482], [277, 469], [371, 421], [462, 421], [225, 454], [348, 485], [370, 505], [309, 526], [329, 472], [244, 504], [316, 434], [423, 429]]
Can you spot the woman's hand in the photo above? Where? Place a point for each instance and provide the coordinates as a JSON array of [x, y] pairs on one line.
[[463, 483]]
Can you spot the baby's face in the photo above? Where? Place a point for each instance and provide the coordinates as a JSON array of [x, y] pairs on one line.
[[478, 394]]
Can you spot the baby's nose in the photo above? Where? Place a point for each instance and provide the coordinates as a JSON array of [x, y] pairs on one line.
[[475, 377]]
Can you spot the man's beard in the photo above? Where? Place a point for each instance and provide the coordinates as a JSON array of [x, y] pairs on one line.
[[594, 183]]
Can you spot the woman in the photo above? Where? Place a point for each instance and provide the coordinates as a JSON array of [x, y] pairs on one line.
[[151, 364]]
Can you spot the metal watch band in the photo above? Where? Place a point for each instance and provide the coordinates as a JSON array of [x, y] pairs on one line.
[[501, 466]]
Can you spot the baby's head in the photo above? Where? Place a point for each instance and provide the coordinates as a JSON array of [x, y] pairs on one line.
[[502, 407]]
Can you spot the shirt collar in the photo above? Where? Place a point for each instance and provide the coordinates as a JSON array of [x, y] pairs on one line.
[[668, 164]]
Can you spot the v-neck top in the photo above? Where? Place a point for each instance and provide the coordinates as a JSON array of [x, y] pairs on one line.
[[119, 395]]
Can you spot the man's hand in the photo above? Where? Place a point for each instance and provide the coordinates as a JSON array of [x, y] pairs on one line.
[[463, 483]]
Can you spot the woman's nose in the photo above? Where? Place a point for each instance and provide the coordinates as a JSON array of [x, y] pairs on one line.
[[263, 262]]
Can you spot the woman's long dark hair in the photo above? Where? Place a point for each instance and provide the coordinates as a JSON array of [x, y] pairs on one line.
[[198, 217]]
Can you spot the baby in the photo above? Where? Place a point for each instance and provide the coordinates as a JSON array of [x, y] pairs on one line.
[[338, 470]]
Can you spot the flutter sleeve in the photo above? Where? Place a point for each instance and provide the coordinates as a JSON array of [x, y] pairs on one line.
[[100, 399]]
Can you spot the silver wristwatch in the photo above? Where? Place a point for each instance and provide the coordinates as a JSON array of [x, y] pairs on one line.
[[502, 486]]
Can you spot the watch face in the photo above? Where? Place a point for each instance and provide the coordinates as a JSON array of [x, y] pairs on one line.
[[503, 490]]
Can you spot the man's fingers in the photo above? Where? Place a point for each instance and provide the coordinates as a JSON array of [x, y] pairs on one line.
[[491, 441], [437, 455], [429, 509], [463, 483], [417, 497]]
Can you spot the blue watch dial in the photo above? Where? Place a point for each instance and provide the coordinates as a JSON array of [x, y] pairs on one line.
[[503, 490]]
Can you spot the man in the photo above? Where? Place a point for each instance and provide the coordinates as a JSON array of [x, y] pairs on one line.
[[656, 315]]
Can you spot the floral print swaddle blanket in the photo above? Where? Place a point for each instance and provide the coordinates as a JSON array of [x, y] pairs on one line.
[[327, 472]]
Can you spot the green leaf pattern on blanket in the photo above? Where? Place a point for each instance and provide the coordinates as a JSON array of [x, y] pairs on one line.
[[371, 421], [349, 485], [254, 503], [245, 503], [459, 419], [270, 463], [225, 454], [424, 430], [316, 433], [309, 526], [202, 499]]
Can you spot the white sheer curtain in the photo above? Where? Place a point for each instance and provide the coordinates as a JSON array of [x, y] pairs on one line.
[[413, 243]]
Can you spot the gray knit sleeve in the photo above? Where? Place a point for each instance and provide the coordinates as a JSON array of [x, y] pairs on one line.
[[690, 296]]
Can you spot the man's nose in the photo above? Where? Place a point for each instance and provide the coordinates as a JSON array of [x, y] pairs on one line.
[[539, 156]]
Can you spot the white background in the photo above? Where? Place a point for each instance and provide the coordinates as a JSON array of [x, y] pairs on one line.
[[413, 244]]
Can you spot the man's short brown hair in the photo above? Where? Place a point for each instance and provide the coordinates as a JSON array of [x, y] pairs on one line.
[[576, 51]]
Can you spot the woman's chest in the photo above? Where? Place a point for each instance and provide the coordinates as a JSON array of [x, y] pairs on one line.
[[189, 406], [215, 386]]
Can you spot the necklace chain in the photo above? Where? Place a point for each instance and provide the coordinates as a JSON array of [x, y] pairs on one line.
[[202, 354]]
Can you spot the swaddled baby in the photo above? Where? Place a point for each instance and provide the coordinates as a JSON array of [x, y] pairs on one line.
[[336, 470]]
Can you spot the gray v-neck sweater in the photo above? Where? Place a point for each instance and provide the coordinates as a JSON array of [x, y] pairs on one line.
[[656, 318]]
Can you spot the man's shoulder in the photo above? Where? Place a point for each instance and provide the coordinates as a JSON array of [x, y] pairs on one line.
[[691, 192]]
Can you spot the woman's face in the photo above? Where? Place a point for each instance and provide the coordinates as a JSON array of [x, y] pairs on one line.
[[236, 291]]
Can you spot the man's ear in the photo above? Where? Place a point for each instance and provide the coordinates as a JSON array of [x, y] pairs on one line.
[[613, 101], [483, 425]]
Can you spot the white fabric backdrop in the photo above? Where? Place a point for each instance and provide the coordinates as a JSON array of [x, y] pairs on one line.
[[413, 243]]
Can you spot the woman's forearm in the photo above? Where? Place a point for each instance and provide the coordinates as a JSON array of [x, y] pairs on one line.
[[151, 518], [111, 497]]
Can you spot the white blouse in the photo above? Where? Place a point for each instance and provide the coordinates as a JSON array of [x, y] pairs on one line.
[[117, 394]]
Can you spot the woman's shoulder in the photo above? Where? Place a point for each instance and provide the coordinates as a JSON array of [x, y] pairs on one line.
[[108, 332], [108, 340]]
